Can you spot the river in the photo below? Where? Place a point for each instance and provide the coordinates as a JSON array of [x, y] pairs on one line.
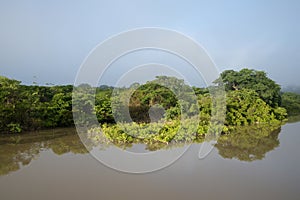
[[54, 164]]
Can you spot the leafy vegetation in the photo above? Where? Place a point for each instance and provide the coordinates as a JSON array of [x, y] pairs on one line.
[[245, 107], [162, 111], [251, 79], [291, 101], [33, 107], [252, 99]]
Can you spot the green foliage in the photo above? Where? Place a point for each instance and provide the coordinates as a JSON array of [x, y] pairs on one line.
[[147, 96], [33, 107], [148, 133], [103, 106], [245, 107], [258, 81], [173, 113], [291, 102], [14, 128], [252, 98], [83, 104], [248, 103], [9, 100]]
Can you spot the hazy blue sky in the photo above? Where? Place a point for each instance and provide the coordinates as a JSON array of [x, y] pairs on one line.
[[50, 39]]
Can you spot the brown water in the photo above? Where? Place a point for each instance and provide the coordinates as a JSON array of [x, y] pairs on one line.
[[55, 165]]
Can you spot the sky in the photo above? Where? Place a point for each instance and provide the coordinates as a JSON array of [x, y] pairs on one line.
[[47, 41]]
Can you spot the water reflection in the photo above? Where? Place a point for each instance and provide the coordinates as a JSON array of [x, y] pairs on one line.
[[246, 144], [18, 151]]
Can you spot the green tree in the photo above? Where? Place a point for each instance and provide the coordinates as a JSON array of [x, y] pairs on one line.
[[246, 107], [291, 102], [258, 81], [9, 100]]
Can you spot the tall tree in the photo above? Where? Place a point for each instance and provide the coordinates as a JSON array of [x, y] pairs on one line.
[[267, 89]]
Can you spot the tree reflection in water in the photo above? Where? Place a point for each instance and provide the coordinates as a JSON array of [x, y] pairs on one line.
[[20, 150], [246, 144]]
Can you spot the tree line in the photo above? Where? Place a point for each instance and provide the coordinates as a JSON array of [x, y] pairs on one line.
[[252, 98]]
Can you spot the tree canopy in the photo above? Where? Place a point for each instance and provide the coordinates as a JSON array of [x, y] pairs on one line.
[[266, 88], [252, 98]]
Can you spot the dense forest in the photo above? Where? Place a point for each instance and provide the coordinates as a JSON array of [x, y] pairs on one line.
[[251, 99]]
